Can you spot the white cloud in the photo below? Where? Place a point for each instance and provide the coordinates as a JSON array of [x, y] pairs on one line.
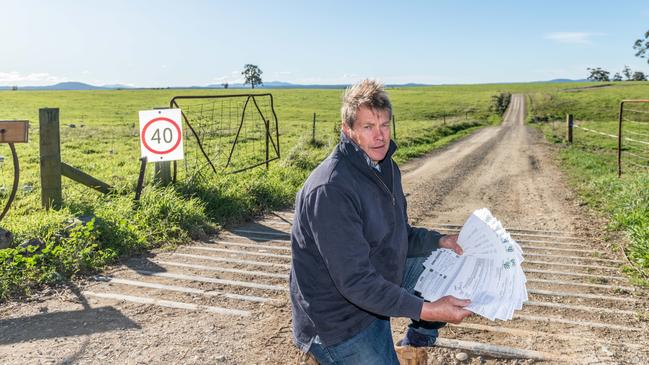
[[572, 37], [36, 78]]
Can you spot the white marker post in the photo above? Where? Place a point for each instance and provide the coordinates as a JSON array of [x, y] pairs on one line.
[[161, 139]]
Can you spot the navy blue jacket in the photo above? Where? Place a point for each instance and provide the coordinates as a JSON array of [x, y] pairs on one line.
[[350, 239]]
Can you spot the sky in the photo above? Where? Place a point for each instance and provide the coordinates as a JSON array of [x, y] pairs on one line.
[[198, 43]]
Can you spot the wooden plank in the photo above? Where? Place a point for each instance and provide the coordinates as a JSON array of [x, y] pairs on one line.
[[14, 131], [85, 179]]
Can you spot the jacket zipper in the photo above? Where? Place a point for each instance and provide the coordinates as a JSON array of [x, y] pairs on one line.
[[385, 187]]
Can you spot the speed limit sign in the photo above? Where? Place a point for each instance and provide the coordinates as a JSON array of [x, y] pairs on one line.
[[161, 137]]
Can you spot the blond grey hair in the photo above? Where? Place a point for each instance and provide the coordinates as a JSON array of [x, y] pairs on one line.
[[369, 93]]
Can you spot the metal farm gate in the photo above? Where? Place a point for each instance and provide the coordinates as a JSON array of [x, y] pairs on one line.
[[636, 126], [229, 133]]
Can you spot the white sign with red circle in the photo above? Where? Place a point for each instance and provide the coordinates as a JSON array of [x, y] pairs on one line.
[[161, 137]]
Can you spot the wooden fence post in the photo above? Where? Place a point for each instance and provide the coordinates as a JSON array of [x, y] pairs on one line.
[[50, 158], [569, 124], [162, 173], [394, 127], [313, 132]]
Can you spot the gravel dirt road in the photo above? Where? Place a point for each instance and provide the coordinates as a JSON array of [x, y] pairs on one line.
[[224, 300]]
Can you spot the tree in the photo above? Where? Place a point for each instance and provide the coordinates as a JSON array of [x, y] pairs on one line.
[[598, 74], [627, 72], [617, 77], [225, 85], [252, 74], [639, 76], [642, 47]]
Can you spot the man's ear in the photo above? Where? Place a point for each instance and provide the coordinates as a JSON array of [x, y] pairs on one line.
[[345, 128]]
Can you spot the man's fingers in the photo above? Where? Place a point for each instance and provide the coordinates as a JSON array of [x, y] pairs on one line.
[[460, 315], [459, 302], [450, 241]]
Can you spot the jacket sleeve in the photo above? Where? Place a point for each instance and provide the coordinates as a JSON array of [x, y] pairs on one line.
[[422, 241], [337, 227]]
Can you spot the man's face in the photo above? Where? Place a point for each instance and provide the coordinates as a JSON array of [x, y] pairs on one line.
[[371, 132]]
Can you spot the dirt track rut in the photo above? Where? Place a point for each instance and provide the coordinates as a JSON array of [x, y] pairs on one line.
[[224, 301]]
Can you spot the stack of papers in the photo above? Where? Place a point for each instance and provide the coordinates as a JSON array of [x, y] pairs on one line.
[[489, 272]]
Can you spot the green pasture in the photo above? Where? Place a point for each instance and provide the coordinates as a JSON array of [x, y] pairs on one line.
[[99, 136], [591, 160]]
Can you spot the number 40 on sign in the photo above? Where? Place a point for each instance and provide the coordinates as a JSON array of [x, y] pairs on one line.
[[161, 137]]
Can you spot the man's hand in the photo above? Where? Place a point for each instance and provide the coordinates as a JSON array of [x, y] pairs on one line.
[[450, 241], [445, 309]]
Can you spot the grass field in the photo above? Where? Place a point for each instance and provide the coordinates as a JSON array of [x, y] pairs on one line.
[[104, 142], [591, 161], [99, 136]]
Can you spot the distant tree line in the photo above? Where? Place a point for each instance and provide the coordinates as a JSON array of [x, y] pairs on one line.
[[599, 74], [641, 46]]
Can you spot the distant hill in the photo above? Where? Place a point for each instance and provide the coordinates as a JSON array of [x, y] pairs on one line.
[[64, 86], [267, 85], [69, 86]]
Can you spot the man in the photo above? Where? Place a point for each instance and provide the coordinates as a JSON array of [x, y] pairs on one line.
[[355, 257]]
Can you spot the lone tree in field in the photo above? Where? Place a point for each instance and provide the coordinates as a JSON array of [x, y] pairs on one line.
[[598, 74], [639, 76], [252, 73], [642, 47]]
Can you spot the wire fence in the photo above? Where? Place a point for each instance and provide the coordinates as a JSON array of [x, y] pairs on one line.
[[628, 140], [233, 134], [228, 133]]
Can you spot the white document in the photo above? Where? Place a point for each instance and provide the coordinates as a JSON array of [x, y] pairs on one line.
[[489, 272]]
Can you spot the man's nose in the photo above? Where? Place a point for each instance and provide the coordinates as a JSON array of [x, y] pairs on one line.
[[379, 134]]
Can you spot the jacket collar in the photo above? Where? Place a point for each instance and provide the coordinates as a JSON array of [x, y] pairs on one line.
[[357, 156]]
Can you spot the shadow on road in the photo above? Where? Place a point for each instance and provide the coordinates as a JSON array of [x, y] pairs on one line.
[[260, 232], [85, 321]]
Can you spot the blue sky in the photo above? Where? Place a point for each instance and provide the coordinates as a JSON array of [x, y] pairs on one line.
[[174, 43]]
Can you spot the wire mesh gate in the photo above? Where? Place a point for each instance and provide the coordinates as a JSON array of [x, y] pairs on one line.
[[636, 145], [231, 133]]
